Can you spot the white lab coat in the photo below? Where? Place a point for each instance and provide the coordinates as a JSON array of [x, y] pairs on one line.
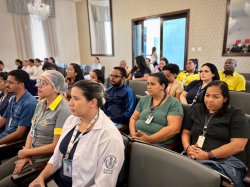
[[99, 154]]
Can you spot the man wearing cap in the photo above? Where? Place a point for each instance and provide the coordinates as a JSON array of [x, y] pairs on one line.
[[234, 80]]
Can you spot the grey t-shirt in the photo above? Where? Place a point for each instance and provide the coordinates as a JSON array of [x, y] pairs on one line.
[[48, 122]]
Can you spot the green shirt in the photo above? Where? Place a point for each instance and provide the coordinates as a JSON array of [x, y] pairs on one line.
[[171, 107]]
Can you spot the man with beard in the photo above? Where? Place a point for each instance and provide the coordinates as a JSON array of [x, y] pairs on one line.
[[234, 80], [120, 98], [16, 120]]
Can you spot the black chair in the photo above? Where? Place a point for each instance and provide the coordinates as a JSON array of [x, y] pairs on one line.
[[240, 99], [122, 180], [10, 149], [247, 156]]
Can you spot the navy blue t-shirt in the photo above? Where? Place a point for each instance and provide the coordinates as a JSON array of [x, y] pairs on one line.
[[193, 89]]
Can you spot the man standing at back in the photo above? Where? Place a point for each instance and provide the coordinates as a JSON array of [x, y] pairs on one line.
[[17, 118], [234, 80], [120, 98]]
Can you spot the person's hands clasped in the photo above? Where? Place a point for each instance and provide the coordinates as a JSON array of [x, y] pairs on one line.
[[139, 135], [196, 153], [20, 163], [23, 153]]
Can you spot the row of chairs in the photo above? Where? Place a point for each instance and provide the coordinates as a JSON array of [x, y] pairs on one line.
[[237, 99], [147, 165]]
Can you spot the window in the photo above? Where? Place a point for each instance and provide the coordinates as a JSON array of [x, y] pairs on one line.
[[167, 32], [38, 39]]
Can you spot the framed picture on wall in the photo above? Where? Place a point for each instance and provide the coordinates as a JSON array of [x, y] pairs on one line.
[[237, 28]]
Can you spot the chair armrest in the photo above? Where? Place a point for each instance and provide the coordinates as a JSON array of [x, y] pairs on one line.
[[8, 146], [247, 179], [31, 169], [225, 181]]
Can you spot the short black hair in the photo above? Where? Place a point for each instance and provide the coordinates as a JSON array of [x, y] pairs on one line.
[[4, 75], [122, 71], [49, 66], [1, 62], [173, 68], [21, 76], [164, 59], [31, 60]]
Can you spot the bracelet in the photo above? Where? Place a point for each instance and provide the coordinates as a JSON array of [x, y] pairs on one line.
[[211, 156], [187, 148], [208, 156]]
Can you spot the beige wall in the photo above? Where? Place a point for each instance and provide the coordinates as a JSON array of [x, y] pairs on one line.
[[207, 21], [66, 34], [8, 50]]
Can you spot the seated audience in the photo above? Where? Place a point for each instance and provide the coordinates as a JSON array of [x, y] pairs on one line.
[[190, 74], [158, 116], [2, 67], [120, 98], [26, 67], [97, 64], [235, 81], [163, 62], [49, 66], [175, 87], [96, 75], [50, 114], [5, 95], [194, 92], [37, 69], [123, 64], [90, 151], [16, 120], [74, 74], [52, 60], [140, 71], [215, 133], [19, 64]]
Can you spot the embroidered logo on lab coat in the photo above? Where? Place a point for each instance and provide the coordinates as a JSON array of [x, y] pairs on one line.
[[110, 162]]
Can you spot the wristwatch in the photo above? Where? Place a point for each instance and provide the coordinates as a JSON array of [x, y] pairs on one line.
[[211, 156]]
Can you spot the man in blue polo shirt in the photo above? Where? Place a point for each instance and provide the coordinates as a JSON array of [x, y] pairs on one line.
[[120, 98], [17, 118]]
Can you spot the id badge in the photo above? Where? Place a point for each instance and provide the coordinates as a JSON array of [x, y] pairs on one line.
[[67, 167], [10, 122], [201, 141], [32, 131], [149, 119]]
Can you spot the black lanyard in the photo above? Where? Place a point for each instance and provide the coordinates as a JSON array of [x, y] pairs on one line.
[[153, 107], [207, 120]]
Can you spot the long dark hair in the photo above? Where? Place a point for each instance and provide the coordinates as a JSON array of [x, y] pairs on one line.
[[224, 91], [78, 70], [99, 74], [214, 70]]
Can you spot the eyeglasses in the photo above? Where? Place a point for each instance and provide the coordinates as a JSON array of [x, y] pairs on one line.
[[114, 76], [40, 82]]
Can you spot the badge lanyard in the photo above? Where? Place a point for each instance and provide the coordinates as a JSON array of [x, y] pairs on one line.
[[150, 112], [72, 141], [202, 137], [197, 94]]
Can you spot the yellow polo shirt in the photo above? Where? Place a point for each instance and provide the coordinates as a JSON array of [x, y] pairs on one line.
[[186, 77], [235, 82]]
